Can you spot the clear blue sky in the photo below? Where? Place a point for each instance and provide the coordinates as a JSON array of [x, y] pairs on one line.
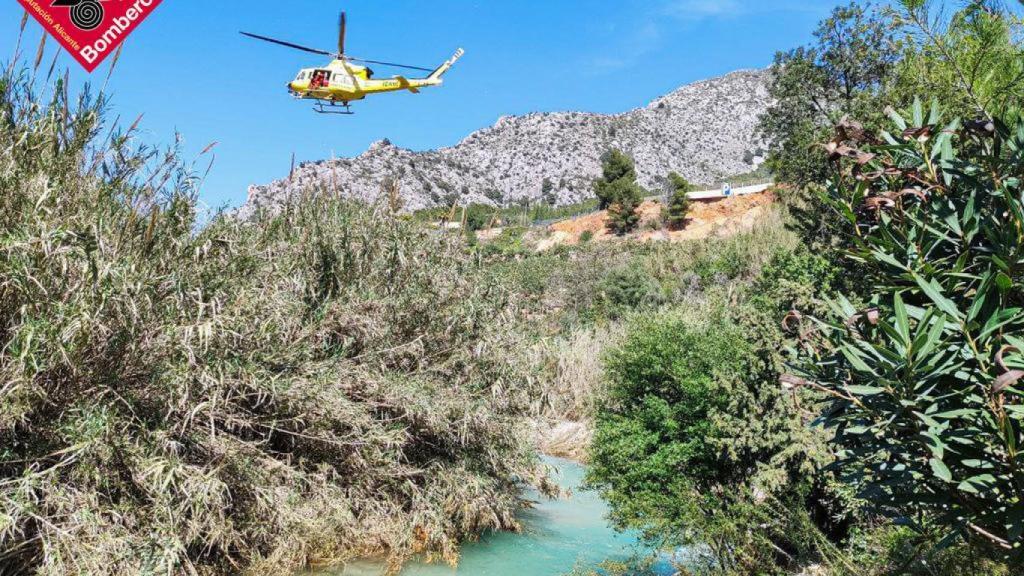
[[189, 70]]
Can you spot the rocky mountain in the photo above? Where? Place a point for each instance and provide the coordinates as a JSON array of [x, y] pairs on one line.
[[705, 131]]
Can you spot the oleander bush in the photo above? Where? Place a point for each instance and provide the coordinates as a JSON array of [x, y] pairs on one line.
[[924, 366], [192, 394]]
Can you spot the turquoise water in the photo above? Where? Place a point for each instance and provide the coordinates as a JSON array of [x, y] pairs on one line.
[[558, 536]]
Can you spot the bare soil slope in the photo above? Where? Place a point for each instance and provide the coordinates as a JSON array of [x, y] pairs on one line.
[[723, 217]]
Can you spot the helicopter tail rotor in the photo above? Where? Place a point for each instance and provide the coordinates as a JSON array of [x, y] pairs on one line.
[[436, 74]]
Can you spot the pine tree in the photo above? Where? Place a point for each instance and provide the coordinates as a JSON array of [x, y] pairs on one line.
[[618, 191], [619, 173], [547, 192], [678, 201], [623, 217]]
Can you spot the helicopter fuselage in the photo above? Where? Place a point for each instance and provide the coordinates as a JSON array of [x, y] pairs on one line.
[[342, 81]]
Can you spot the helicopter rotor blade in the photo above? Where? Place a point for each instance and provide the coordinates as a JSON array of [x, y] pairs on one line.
[[392, 64], [288, 44], [341, 46], [341, 33]]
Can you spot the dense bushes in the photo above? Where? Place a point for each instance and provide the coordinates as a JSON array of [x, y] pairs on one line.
[[971, 60], [244, 395], [695, 443], [600, 282], [918, 356], [478, 217], [627, 288], [913, 371], [656, 440], [924, 369]]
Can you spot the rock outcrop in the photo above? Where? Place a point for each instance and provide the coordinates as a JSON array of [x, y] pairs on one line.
[[706, 131]]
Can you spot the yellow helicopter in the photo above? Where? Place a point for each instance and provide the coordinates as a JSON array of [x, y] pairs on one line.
[[340, 82]]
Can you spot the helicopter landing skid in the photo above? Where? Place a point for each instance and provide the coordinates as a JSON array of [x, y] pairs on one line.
[[328, 108]]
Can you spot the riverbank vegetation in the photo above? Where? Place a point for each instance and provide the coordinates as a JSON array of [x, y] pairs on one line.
[[182, 394], [852, 409]]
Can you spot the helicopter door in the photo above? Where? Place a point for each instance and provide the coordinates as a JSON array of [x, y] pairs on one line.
[[321, 78]]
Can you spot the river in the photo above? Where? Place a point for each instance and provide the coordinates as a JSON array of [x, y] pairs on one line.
[[558, 536]]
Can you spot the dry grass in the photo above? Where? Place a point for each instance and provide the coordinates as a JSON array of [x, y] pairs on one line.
[[565, 439], [239, 396], [576, 370], [567, 400]]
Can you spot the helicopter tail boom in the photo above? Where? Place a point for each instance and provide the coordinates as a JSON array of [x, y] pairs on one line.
[[408, 85]]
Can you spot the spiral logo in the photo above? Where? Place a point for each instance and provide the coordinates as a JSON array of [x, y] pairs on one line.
[[87, 15]]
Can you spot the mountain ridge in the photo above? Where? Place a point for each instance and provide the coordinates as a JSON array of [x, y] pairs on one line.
[[705, 130]]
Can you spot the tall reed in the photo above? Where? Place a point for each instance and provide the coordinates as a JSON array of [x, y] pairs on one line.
[[179, 397]]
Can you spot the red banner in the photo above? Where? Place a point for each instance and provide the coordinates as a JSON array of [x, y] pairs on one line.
[[90, 30]]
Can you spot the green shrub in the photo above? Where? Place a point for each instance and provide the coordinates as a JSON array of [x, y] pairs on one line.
[[508, 243], [693, 446], [626, 288], [696, 444], [720, 261], [479, 216], [181, 398], [586, 236], [889, 549], [799, 279], [655, 435], [924, 375]]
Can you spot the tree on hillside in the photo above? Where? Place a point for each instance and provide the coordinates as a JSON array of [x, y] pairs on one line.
[[678, 201], [618, 173], [623, 218], [618, 191], [547, 192], [843, 72]]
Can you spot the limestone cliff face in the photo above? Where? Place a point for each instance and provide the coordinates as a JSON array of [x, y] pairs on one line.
[[705, 131]]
